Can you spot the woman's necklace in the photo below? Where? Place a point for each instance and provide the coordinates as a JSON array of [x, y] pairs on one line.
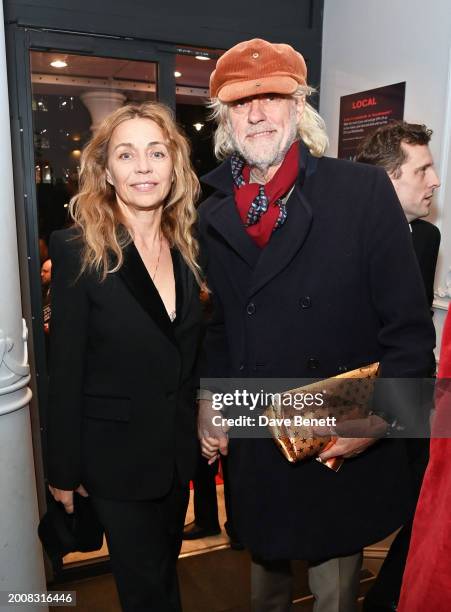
[[158, 260]]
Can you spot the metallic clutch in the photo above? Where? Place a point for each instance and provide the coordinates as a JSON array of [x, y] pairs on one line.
[[343, 397]]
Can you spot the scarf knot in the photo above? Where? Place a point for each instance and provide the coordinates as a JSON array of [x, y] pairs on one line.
[[262, 208]]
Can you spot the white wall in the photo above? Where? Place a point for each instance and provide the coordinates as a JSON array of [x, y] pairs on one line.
[[372, 43]]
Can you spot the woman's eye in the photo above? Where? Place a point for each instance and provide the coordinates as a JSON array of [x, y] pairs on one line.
[[158, 154], [124, 156]]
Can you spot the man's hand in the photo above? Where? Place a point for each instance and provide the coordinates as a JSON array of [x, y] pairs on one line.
[[353, 437], [213, 438], [67, 497]]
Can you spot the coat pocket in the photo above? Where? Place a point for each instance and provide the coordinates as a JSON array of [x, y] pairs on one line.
[[107, 408]]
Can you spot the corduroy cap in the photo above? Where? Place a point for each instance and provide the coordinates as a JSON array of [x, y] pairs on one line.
[[256, 67]]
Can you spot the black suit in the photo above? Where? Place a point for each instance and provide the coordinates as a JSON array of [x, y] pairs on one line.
[[121, 406], [336, 287], [387, 587], [426, 243]]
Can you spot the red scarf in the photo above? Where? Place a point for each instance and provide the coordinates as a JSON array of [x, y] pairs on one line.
[[275, 189]]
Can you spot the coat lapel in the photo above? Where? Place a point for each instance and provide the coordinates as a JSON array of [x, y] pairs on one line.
[[223, 215], [135, 276], [225, 219], [285, 242]]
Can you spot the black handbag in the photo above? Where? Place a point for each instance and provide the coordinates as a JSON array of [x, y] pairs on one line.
[[62, 533]]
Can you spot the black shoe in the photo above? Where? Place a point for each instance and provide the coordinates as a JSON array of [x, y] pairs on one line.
[[191, 531]]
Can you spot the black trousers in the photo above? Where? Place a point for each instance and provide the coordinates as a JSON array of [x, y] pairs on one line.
[[205, 500], [144, 540]]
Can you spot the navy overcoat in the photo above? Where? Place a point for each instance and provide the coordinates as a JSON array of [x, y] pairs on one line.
[[337, 287]]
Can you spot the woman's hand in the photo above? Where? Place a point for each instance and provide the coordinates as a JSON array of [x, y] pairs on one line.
[[67, 497], [213, 438]]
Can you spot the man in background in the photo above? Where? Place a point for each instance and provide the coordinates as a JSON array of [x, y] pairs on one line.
[[403, 150]]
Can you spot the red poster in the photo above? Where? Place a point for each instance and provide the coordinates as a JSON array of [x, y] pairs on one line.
[[362, 112]]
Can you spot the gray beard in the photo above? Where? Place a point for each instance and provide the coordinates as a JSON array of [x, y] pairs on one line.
[[274, 158]]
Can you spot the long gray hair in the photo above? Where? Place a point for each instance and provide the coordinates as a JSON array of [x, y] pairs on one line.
[[311, 127]]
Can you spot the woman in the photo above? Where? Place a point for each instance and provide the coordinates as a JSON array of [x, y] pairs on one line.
[[427, 577], [125, 329]]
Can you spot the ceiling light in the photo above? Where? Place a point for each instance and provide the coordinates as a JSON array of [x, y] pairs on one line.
[[58, 63], [177, 74], [203, 58], [198, 126]]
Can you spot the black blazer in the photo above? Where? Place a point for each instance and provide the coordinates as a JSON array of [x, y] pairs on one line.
[[121, 407], [426, 243], [337, 287]]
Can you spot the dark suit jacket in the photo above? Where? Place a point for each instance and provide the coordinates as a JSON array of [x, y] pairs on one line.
[[121, 415], [337, 287], [426, 243]]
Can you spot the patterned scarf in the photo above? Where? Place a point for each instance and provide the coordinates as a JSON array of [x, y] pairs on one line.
[[261, 207]]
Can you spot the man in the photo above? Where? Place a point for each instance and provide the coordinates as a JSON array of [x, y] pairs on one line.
[[402, 149], [312, 272]]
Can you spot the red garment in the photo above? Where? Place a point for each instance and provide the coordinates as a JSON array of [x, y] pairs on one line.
[[277, 187], [427, 578]]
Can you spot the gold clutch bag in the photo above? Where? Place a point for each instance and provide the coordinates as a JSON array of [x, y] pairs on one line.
[[343, 397]]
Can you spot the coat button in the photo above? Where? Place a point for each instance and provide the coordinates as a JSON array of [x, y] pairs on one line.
[[312, 363], [250, 308], [342, 368], [305, 302]]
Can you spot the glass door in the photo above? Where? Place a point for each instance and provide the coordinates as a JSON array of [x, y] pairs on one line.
[[71, 94]]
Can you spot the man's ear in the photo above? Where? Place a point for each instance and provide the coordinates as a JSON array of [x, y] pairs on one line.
[[394, 175]]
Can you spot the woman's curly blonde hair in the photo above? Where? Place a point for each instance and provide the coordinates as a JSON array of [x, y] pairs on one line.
[[94, 208], [311, 127]]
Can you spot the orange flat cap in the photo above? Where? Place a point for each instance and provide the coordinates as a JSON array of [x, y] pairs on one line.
[[256, 67]]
